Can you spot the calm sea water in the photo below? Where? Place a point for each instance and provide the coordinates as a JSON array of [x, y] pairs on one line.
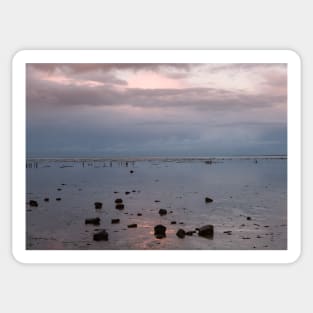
[[240, 187]]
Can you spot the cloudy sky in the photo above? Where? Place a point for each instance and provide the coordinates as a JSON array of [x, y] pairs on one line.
[[156, 109]]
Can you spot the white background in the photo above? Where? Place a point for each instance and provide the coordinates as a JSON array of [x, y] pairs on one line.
[[153, 25]]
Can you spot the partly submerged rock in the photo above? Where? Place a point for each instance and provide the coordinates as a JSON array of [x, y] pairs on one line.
[[206, 231], [98, 205], [162, 212], [132, 226], [181, 233], [248, 218], [102, 235], [58, 199], [118, 200], [190, 233], [127, 192], [208, 200], [159, 231], [131, 171], [115, 220], [119, 206], [173, 222], [93, 221], [33, 203], [46, 199]]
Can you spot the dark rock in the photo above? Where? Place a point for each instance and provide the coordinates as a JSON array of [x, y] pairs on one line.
[[119, 206], [139, 214], [208, 200], [181, 223], [93, 221], [33, 203], [181, 233], [59, 189], [134, 190], [98, 205], [206, 231], [115, 191], [102, 235], [118, 200], [228, 232], [159, 231], [189, 233], [46, 199], [115, 220], [131, 171], [127, 192], [162, 212], [197, 229], [248, 218], [173, 222], [58, 199], [156, 201], [63, 184], [132, 226]]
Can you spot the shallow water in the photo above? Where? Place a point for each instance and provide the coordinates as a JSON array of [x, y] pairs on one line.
[[240, 188]]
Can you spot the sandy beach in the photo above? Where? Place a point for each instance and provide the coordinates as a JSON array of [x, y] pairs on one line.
[[69, 201]]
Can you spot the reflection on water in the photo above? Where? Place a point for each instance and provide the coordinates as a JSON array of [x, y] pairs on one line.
[[240, 187]]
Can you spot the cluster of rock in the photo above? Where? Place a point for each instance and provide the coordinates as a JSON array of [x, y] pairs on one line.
[[206, 231]]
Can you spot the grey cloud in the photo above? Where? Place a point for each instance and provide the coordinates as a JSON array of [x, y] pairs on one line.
[[49, 93], [107, 67]]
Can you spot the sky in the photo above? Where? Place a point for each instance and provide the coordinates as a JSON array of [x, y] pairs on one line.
[[131, 110]]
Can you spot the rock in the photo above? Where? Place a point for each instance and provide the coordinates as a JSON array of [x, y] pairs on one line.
[[46, 199], [181, 223], [248, 218], [115, 220], [173, 222], [59, 189], [58, 199], [98, 205], [139, 214], [208, 200], [93, 221], [134, 191], [189, 233], [162, 212], [197, 229], [127, 192], [159, 231], [206, 231], [119, 206], [118, 200], [115, 191], [102, 235], [228, 232], [33, 203], [181, 233], [131, 171], [156, 201], [132, 226]]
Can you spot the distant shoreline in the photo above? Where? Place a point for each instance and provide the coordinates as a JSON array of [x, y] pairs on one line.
[[130, 159]]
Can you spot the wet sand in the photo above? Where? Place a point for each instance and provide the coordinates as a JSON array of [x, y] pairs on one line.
[[249, 208]]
